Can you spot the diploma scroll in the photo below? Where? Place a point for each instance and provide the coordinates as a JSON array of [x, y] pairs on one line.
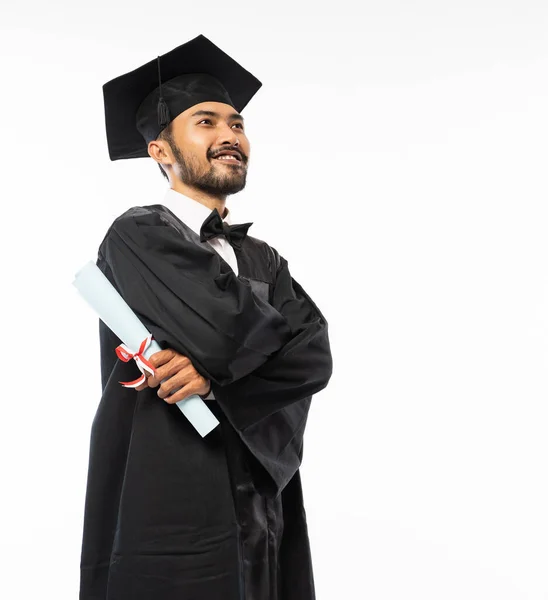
[[112, 309]]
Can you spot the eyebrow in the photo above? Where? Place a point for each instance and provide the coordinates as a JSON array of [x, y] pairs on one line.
[[210, 113]]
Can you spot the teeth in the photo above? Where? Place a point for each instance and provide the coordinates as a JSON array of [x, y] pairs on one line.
[[227, 157]]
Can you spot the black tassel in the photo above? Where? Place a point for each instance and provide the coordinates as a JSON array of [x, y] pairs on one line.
[[163, 113], [163, 110]]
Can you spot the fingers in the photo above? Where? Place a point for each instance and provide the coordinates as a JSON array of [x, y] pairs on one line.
[[184, 392], [176, 376], [184, 377], [163, 356], [142, 386], [175, 365]]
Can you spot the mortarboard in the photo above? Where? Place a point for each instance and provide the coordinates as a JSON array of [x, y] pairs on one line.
[[139, 104]]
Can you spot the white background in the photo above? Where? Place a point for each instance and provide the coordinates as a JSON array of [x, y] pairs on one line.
[[399, 154]]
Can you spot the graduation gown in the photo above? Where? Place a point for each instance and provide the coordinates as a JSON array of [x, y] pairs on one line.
[[170, 515]]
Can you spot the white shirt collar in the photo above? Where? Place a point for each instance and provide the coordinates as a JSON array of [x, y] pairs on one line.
[[189, 211]]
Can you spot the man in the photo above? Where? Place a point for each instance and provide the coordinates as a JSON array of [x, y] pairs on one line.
[[170, 515]]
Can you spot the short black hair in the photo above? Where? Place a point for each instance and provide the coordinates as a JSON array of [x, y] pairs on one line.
[[166, 135]]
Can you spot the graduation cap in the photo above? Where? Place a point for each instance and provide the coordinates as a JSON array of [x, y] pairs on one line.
[[139, 104]]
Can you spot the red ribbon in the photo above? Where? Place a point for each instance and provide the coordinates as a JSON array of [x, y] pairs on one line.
[[125, 354]]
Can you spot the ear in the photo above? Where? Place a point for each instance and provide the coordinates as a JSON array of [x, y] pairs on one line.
[[160, 152]]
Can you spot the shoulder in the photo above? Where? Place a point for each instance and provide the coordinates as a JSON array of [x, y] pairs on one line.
[[144, 214], [268, 252], [138, 215], [130, 219]]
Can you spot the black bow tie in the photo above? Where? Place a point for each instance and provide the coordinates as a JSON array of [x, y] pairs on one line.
[[214, 226]]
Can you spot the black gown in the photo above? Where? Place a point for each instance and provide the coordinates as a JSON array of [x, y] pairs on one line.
[[170, 515]]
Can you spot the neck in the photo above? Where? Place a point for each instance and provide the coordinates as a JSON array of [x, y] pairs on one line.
[[204, 198]]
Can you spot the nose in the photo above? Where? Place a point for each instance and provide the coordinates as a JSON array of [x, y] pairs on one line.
[[228, 136]]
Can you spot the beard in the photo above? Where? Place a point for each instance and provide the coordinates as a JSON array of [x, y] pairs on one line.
[[217, 180]]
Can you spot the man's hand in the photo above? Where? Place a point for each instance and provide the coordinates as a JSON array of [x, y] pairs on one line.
[[178, 372]]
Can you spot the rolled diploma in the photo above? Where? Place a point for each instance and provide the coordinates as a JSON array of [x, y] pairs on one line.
[[113, 310]]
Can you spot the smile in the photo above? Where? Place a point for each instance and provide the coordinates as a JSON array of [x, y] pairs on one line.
[[228, 159]]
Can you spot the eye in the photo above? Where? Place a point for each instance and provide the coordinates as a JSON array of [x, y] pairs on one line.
[[208, 120], [240, 125]]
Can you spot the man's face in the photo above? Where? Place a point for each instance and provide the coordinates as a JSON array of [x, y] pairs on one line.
[[200, 136]]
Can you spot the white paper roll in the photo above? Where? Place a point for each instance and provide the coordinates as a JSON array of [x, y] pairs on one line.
[[112, 309]]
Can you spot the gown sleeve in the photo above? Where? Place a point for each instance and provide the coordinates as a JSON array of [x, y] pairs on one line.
[[269, 407]]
